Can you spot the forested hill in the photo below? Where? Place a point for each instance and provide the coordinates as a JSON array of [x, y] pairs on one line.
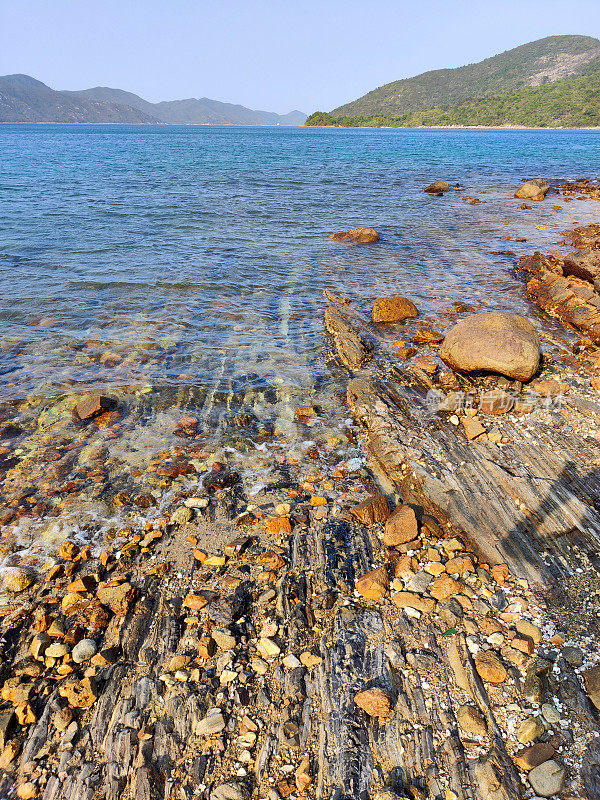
[[552, 82]]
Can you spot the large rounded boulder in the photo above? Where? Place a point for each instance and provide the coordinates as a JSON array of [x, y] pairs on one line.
[[493, 342]]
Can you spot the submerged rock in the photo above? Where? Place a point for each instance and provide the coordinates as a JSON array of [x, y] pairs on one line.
[[393, 309], [93, 406], [493, 342], [535, 189], [356, 236]]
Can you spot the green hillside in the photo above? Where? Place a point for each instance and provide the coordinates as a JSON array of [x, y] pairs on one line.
[[571, 103], [538, 63]]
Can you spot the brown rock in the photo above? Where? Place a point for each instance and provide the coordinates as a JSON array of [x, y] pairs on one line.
[[471, 720], [27, 791], [405, 566], [493, 342], [438, 187], [87, 583], [68, 551], [473, 428], [490, 668], [444, 587], [591, 678], [195, 602], [393, 309], [374, 585], [277, 526], [530, 757], [459, 565], [373, 510], [356, 236], [428, 336], [207, 647], [401, 527], [117, 597], [93, 406], [535, 189], [302, 775], [496, 402], [411, 600], [80, 694], [375, 702]]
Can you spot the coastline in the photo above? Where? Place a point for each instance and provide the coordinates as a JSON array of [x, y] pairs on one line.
[[232, 634]]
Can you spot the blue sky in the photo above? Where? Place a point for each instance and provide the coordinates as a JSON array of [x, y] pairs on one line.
[[268, 54]]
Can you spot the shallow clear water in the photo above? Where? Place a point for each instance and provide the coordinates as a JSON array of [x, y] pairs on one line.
[[182, 269]]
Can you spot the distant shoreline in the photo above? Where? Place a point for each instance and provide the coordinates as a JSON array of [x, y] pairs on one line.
[[318, 127]]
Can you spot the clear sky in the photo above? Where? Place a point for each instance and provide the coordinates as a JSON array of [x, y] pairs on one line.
[[274, 55]]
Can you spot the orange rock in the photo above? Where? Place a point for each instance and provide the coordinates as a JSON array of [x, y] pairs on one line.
[[373, 510], [356, 236], [374, 585], [79, 694], [375, 702], [315, 500], [428, 336], [411, 600], [401, 527], [444, 587], [473, 427], [407, 565], [490, 668], [459, 565], [500, 573], [68, 551], [393, 309], [195, 602], [87, 583], [276, 526]]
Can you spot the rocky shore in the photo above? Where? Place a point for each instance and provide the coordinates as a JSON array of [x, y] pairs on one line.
[[422, 626]]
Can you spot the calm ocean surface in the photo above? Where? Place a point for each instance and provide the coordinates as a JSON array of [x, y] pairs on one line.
[[212, 242]]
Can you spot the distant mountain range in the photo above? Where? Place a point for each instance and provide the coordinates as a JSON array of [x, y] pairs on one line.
[[25, 99], [552, 82]]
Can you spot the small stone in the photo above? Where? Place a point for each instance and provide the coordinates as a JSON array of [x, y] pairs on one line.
[[57, 650], [93, 405], [182, 515], [16, 579], [68, 551], [38, 645], [375, 702], [530, 729], [374, 585], [550, 713], [259, 666], [529, 630], [438, 187], [548, 779], [411, 600], [573, 655], [372, 511], [473, 427], [267, 648], [471, 720], [229, 791], [419, 582], [291, 662], [84, 651], [302, 775], [195, 602], [27, 791], [400, 527], [310, 659], [444, 587], [223, 639], [213, 722], [80, 694], [489, 667], [534, 755]]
